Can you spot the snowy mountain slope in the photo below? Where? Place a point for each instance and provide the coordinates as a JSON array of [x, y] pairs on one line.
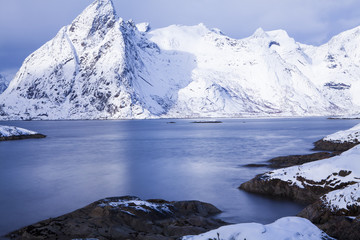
[[3, 84], [101, 67], [240, 77], [284, 228], [98, 67]]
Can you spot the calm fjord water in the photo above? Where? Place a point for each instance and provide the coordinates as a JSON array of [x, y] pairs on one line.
[[83, 161]]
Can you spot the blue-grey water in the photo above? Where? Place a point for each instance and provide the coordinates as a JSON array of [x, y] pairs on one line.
[[83, 161]]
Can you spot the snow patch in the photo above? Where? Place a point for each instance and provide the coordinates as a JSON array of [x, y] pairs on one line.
[[331, 172], [350, 135], [7, 131], [138, 204], [282, 229], [344, 199]]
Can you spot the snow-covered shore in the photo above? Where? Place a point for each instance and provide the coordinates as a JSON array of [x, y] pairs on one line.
[[16, 133], [351, 135], [284, 228], [331, 186]]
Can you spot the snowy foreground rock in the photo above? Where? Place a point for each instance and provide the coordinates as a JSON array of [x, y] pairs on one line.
[[340, 141], [15, 133], [102, 67], [307, 182], [283, 229], [127, 218], [337, 213]]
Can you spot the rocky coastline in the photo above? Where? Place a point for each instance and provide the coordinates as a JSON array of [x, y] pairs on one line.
[[341, 224], [127, 218], [292, 160], [262, 184]]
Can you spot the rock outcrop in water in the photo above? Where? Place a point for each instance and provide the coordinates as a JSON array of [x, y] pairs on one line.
[[127, 218], [14, 133], [292, 160]]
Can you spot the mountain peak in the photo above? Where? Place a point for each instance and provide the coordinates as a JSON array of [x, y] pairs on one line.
[[259, 33], [99, 15], [100, 7]]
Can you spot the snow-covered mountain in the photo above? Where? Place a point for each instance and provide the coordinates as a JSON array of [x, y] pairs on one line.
[[3, 83], [102, 67]]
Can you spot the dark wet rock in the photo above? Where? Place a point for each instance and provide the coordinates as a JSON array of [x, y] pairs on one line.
[[280, 189], [256, 165], [338, 224], [21, 137], [333, 146], [292, 160], [127, 218], [312, 191]]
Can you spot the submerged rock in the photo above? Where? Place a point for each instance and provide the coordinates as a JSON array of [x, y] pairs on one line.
[[127, 218]]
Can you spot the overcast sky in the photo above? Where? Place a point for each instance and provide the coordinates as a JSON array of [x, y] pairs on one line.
[[25, 25]]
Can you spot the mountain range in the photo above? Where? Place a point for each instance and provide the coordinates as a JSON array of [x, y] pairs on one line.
[[102, 67]]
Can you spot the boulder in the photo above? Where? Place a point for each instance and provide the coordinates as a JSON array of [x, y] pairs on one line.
[[127, 218]]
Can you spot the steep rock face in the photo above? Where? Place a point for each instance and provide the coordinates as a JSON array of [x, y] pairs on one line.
[[3, 83], [101, 67], [93, 68]]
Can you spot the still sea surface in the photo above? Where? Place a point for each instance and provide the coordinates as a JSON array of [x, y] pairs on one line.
[[83, 161]]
